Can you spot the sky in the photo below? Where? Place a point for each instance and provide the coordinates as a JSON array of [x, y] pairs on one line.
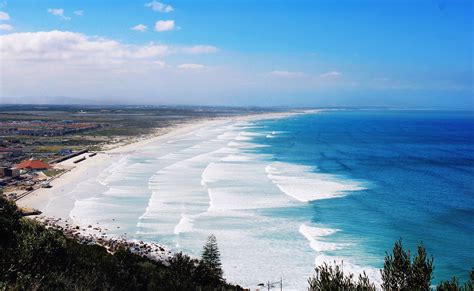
[[405, 53]]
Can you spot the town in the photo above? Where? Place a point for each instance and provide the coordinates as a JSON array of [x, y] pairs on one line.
[[45, 128], [27, 165], [39, 143]]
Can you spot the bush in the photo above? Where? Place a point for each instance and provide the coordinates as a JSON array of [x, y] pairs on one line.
[[400, 273], [454, 285], [332, 278], [35, 258]]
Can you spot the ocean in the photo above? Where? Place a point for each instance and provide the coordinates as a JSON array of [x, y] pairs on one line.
[[282, 195], [415, 176]]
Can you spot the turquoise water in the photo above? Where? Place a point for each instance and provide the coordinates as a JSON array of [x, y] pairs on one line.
[[283, 195], [417, 172]]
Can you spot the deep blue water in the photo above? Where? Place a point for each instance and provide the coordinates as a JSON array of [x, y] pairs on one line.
[[418, 168]]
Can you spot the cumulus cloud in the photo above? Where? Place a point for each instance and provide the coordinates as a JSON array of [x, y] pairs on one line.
[[65, 45], [58, 12], [164, 25], [4, 16], [331, 74], [79, 12], [159, 7], [287, 74], [190, 66], [139, 27], [200, 49], [76, 48], [160, 64], [5, 27]]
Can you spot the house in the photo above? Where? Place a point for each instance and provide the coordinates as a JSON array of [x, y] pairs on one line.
[[35, 165], [64, 152], [8, 172], [10, 152]]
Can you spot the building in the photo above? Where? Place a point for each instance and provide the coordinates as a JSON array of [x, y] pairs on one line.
[[64, 152], [35, 165], [8, 172], [10, 152]]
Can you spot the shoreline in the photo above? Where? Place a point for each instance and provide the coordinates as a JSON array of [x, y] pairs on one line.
[[72, 171], [68, 180]]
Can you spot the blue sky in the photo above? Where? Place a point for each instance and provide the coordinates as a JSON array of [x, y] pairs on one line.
[[312, 53]]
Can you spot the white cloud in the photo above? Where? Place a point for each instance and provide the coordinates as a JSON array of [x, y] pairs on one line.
[[79, 12], [159, 7], [164, 25], [139, 27], [160, 64], [5, 27], [332, 74], [4, 16], [190, 66], [200, 49], [92, 66], [78, 48], [70, 46], [58, 12], [287, 74]]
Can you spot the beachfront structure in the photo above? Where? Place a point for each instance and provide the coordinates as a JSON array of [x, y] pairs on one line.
[[10, 152], [45, 128], [35, 165], [9, 172]]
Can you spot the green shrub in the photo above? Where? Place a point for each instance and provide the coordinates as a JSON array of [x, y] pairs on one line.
[[35, 258], [400, 273], [332, 278]]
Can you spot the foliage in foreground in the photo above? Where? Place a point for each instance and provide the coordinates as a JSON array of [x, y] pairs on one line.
[[454, 284], [330, 277], [399, 273], [211, 256], [35, 258]]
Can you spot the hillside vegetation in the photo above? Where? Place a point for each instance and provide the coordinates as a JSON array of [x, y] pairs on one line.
[[35, 258]]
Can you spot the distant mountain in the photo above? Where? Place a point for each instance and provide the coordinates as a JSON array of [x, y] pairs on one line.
[[58, 100]]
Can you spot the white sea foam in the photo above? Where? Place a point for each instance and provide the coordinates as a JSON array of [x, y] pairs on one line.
[[239, 182], [236, 158], [212, 173], [305, 184], [126, 191], [245, 145], [227, 150], [273, 134], [106, 174], [234, 144], [227, 135], [210, 181], [178, 186], [243, 137], [250, 133], [185, 225], [315, 237], [311, 232]]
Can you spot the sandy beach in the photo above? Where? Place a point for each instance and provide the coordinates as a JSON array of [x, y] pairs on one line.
[[40, 198], [174, 189]]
